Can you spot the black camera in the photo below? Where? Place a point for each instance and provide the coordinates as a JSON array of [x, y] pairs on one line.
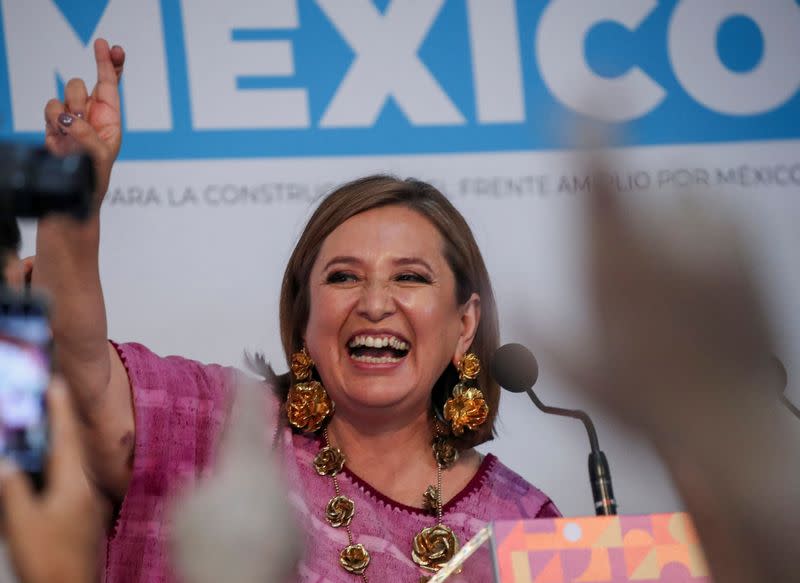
[[34, 183]]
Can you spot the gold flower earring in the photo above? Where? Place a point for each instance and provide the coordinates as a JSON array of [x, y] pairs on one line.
[[308, 405], [466, 407]]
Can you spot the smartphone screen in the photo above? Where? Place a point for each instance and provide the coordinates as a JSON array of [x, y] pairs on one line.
[[24, 376]]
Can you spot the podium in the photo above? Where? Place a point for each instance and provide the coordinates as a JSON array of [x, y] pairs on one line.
[[599, 549]]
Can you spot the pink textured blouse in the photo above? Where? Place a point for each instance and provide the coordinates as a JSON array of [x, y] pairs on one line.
[[181, 405]]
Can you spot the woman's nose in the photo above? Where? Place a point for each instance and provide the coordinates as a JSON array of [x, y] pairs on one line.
[[376, 302]]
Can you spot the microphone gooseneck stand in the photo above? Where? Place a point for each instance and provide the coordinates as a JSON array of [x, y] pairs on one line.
[[599, 472], [515, 369]]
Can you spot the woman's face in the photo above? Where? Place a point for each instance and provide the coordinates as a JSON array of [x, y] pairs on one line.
[[384, 321]]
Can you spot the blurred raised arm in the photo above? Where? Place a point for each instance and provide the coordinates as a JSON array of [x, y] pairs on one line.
[[683, 353]]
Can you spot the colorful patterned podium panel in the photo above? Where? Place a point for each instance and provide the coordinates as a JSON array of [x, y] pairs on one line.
[[601, 549]]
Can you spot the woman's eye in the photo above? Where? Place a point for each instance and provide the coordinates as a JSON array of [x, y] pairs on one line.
[[412, 277], [340, 277]]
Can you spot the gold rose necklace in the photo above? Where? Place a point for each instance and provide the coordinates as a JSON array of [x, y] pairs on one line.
[[432, 547]]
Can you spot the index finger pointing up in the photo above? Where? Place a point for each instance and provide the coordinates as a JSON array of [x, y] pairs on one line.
[[105, 66]]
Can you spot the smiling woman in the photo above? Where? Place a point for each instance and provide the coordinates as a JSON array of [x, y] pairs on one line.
[[387, 304], [386, 315], [383, 258]]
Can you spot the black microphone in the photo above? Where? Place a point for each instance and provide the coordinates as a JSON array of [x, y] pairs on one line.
[[515, 369]]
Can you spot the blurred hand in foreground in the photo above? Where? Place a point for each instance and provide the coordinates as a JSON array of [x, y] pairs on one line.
[[680, 329], [237, 525], [682, 352], [53, 536]]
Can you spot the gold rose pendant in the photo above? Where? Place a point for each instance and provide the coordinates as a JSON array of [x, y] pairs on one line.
[[430, 499], [329, 461], [444, 452], [339, 511], [434, 546], [465, 409], [469, 368], [354, 559], [301, 365], [307, 406]]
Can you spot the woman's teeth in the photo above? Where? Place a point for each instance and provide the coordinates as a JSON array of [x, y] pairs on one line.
[[377, 349], [378, 342], [376, 359]]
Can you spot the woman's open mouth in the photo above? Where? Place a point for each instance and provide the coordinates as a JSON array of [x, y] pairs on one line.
[[378, 349]]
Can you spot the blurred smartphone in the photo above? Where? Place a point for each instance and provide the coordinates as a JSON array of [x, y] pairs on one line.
[[25, 369]]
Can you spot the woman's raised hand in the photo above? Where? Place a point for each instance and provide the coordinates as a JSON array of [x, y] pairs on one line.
[[67, 268], [90, 122]]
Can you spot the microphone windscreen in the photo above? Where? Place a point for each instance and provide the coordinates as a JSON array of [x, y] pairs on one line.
[[514, 368]]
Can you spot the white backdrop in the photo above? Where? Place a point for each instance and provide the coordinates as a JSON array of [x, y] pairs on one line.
[[199, 223], [204, 282]]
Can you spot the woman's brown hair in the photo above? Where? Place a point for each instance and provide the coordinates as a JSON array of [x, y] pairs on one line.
[[460, 250]]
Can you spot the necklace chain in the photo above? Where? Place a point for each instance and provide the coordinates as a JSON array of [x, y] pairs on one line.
[[338, 490], [437, 555]]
